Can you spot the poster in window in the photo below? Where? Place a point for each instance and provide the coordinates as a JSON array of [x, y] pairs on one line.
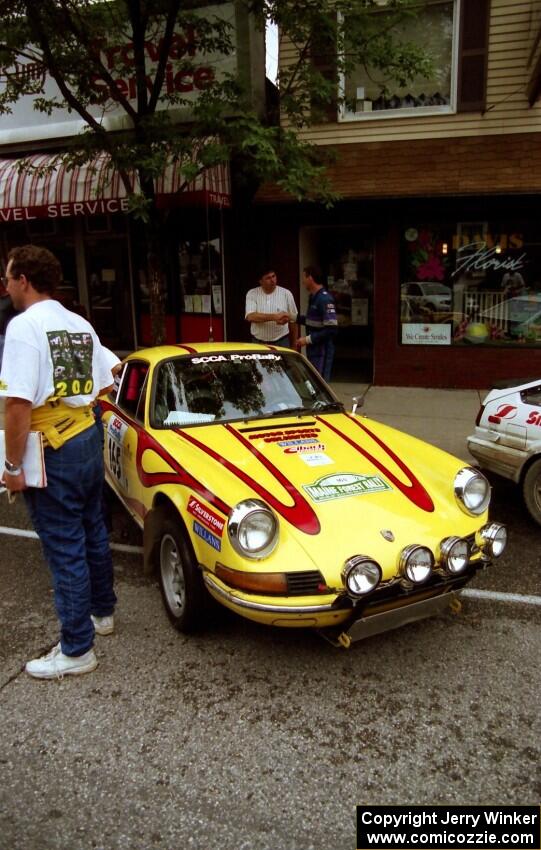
[[359, 311]]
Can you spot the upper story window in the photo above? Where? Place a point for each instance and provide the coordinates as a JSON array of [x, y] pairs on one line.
[[370, 92]]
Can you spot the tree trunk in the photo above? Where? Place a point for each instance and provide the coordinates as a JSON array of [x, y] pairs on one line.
[[157, 282]]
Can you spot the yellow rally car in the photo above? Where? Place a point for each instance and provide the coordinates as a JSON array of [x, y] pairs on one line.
[[251, 482]]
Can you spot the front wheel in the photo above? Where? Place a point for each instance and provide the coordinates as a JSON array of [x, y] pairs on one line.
[[180, 580], [531, 490]]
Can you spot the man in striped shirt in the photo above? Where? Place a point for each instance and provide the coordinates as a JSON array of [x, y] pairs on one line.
[[272, 312]]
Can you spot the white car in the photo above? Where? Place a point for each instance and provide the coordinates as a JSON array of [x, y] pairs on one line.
[[429, 295], [507, 439]]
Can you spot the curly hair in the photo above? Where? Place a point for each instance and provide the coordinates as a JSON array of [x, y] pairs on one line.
[[41, 268]]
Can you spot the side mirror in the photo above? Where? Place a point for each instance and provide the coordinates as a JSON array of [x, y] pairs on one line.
[[356, 401]]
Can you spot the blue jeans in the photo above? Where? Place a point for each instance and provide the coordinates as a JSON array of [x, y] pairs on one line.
[[322, 356], [68, 518]]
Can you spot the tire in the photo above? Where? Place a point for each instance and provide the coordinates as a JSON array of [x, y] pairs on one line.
[[181, 583], [531, 490]]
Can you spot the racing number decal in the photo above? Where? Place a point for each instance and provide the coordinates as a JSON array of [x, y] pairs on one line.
[[116, 433], [71, 354]]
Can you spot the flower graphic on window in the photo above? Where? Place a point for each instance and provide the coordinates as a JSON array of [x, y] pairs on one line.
[[426, 257]]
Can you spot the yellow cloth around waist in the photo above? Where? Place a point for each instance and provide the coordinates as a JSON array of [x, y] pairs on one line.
[[59, 423]]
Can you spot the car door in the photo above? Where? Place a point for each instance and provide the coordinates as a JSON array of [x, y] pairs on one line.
[[122, 434]]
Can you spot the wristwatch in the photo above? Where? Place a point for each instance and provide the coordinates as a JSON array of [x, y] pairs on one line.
[[12, 468]]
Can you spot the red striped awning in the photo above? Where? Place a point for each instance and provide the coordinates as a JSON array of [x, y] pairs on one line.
[[26, 192]]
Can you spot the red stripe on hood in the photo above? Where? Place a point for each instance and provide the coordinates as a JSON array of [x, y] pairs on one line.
[[415, 492], [300, 514]]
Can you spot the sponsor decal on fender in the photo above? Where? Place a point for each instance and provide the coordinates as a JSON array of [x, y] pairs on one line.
[[207, 536], [206, 516], [344, 484]]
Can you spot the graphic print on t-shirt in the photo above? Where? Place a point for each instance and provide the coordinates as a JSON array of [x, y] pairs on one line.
[[71, 354]]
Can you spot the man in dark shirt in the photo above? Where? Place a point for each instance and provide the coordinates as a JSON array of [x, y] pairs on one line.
[[321, 323]]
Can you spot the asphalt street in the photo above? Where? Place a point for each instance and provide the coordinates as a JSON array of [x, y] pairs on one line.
[[250, 737]]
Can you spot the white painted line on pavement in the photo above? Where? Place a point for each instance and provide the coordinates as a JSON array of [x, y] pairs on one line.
[[22, 532], [470, 592]]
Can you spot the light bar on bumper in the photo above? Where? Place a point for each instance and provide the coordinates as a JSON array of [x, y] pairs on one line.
[[454, 555], [360, 575], [492, 539], [416, 563]]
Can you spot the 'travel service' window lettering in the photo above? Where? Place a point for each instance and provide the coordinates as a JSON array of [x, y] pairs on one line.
[[71, 354], [369, 90], [473, 283]]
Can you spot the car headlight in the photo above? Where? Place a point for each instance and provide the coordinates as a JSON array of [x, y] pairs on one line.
[[472, 491], [454, 555], [252, 529], [492, 539], [361, 575], [416, 563]]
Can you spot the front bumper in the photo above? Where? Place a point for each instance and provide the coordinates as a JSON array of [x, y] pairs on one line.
[[387, 608], [385, 621]]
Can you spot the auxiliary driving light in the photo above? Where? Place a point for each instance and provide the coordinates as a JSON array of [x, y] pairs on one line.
[[492, 539], [454, 555], [416, 563], [361, 575]]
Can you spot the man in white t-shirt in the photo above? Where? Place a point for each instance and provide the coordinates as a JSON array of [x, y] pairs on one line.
[[53, 369], [272, 312]]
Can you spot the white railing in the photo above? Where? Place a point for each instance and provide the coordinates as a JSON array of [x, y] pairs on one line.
[[487, 306]]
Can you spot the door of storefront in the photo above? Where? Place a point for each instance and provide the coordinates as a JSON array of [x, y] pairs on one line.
[[345, 257], [109, 290]]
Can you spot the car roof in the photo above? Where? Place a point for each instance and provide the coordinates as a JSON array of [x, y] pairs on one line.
[[164, 352]]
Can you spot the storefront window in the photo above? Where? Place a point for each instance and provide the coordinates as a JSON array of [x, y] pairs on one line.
[[369, 90], [200, 268], [470, 284]]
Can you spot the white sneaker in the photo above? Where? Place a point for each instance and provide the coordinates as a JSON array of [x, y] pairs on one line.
[[103, 625], [55, 664]]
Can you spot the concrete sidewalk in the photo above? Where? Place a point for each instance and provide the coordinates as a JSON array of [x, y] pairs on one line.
[[444, 418]]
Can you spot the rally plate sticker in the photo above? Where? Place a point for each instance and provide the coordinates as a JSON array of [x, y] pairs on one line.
[[342, 485]]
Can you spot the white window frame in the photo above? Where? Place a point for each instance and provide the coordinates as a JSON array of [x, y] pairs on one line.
[[347, 116]]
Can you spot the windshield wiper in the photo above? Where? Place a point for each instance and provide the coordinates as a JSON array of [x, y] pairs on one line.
[[290, 411], [326, 406]]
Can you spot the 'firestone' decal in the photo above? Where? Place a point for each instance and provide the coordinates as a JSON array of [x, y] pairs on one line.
[[342, 485]]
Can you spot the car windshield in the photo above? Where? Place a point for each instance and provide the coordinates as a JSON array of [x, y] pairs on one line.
[[435, 289], [231, 385]]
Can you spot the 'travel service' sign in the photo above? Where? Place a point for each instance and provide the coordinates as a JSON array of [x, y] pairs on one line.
[[24, 123]]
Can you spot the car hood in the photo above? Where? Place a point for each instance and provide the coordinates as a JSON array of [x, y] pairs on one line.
[[340, 484]]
